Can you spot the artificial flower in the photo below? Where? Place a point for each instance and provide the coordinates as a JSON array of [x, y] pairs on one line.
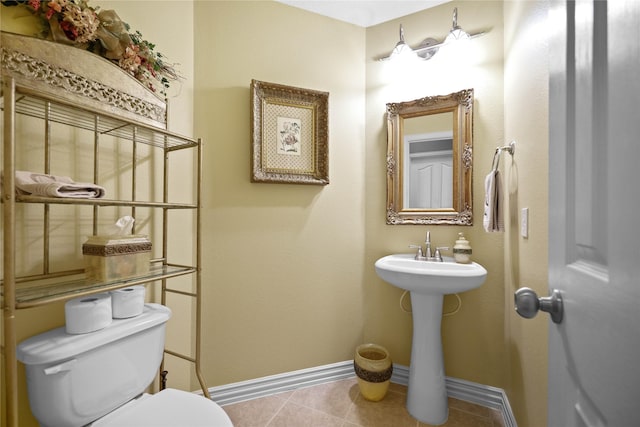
[[76, 23]]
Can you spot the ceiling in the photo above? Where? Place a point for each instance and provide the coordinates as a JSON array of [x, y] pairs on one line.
[[364, 13]]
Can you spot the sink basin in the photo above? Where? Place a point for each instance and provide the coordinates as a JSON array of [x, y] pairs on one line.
[[428, 282], [448, 277]]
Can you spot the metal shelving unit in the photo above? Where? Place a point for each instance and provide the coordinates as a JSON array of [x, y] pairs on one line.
[[48, 81]]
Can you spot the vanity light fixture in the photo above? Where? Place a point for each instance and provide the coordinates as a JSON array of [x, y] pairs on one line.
[[430, 46], [402, 49], [456, 32]]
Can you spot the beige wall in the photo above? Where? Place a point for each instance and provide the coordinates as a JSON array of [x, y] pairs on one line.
[[288, 269], [284, 263], [526, 121], [474, 338]]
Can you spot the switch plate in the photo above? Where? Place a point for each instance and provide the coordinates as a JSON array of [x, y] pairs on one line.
[[524, 222]]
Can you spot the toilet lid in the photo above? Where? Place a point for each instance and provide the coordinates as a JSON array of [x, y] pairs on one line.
[[168, 408]]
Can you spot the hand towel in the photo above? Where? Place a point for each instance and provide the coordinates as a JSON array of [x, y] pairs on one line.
[[493, 216], [39, 184]]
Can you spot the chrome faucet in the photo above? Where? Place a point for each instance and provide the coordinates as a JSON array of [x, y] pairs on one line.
[[427, 243], [427, 255]]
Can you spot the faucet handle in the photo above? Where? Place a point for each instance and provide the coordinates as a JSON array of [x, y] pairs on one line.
[[438, 255], [419, 255]]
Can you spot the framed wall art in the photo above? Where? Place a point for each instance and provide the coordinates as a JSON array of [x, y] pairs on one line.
[[289, 134]]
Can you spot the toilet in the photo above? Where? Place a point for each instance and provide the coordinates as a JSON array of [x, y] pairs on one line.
[[98, 379]]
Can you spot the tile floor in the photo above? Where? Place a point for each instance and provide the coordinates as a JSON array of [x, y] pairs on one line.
[[339, 404]]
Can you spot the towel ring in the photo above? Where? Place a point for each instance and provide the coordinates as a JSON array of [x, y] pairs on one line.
[[511, 149]]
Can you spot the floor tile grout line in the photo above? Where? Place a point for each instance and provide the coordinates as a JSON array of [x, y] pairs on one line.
[[289, 400], [342, 418], [284, 402], [346, 414], [345, 420], [353, 403]]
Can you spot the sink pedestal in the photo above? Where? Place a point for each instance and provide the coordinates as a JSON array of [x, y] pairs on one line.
[[427, 392], [428, 282]]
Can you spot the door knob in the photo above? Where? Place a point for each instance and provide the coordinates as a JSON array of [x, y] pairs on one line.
[[528, 304]]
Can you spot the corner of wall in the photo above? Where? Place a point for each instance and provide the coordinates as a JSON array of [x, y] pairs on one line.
[[526, 176], [466, 355]]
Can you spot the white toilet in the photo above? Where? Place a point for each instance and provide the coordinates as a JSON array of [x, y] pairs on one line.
[[98, 379]]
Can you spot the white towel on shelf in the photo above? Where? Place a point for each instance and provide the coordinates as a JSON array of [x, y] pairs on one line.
[[493, 216], [39, 184]]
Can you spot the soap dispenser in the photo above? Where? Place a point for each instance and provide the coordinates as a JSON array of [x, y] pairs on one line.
[[462, 250]]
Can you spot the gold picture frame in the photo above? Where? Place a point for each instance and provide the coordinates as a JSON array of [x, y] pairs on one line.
[[289, 133]]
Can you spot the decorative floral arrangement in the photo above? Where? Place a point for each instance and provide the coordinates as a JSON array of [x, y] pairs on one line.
[[76, 23]]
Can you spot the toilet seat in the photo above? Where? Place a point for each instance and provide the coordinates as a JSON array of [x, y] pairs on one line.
[[168, 408]]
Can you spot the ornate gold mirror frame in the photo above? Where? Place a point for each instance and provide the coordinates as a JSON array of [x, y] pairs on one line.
[[459, 106]]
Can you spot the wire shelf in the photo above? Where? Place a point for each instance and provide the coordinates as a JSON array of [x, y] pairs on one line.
[[69, 115]]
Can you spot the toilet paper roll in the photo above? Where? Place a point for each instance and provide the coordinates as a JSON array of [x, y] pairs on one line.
[[88, 314], [127, 302]]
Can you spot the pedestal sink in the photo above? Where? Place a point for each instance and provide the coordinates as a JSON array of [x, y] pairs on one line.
[[428, 282]]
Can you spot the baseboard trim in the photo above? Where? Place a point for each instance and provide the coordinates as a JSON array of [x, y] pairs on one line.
[[266, 386], [483, 395], [480, 394]]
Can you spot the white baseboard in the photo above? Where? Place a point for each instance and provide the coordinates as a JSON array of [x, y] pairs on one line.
[[480, 394], [266, 386], [483, 395]]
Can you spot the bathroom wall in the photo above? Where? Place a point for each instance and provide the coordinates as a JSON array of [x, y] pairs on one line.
[[283, 263], [151, 18], [518, 360], [526, 120], [288, 269], [474, 338]]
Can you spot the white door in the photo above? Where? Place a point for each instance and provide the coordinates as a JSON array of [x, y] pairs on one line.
[[431, 181], [594, 213]]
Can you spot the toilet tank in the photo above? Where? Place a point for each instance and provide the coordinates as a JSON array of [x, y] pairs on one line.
[[73, 380]]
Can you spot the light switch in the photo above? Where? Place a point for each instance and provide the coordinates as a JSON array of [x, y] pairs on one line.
[[524, 222]]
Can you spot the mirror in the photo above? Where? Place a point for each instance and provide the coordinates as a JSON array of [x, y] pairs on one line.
[[429, 160]]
